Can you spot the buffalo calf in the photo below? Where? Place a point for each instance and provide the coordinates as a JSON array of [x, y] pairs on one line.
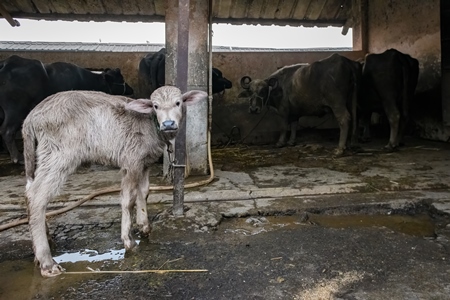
[[69, 128]]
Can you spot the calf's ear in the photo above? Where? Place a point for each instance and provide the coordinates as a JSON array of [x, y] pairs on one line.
[[194, 96], [143, 106]]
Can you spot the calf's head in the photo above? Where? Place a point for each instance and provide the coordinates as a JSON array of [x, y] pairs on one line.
[[166, 104]]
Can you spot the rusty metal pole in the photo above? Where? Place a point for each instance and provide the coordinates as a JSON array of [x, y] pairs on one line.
[[182, 72]]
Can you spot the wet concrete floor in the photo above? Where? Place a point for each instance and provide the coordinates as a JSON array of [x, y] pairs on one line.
[[291, 223]]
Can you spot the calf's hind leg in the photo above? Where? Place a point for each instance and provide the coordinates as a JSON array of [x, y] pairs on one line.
[[39, 193]]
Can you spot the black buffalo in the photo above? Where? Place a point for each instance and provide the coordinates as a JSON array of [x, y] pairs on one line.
[[26, 82], [65, 76], [152, 74], [389, 81], [328, 85], [23, 84]]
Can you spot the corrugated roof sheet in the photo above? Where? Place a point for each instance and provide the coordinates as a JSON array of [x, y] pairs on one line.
[[280, 12], [120, 47]]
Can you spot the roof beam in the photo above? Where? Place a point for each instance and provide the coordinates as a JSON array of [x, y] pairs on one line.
[[7, 16]]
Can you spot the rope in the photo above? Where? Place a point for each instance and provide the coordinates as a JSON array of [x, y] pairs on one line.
[[114, 189]]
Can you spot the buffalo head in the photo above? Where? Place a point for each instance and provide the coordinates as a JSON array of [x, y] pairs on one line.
[[257, 91], [116, 82], [219, 83]]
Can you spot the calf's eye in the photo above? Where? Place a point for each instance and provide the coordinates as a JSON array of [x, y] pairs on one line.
[[178, 103]]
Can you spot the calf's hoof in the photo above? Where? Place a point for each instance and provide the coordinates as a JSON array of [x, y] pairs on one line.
[[145, 231], [291, 144], [53, 271], [129, 244], [280, 145]]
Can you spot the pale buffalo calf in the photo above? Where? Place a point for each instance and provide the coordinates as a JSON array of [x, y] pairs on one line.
[[70, 128]]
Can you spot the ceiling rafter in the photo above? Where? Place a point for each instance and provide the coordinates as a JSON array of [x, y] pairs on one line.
[[236, 12], [7, 16]]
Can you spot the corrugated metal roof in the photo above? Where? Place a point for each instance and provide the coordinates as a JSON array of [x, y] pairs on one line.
[[267, 12], [120, 47], [72, 46]]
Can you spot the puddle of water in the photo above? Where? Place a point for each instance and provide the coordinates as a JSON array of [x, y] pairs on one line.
[[90, 256], [21, 279], [417, 225]]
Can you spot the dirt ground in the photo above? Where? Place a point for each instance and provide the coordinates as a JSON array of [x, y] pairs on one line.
[[272, 225]]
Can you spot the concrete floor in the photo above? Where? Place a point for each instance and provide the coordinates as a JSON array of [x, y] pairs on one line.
[[258, 184]]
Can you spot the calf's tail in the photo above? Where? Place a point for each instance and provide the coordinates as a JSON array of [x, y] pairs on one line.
[[29, 151]]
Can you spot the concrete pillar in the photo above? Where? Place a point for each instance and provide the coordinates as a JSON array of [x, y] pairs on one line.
[[197, 115]]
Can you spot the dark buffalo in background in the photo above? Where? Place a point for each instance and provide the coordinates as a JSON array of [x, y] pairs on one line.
[[152, 74], [65, 76], [26, 82], [23, 84], [328, 85], [389, 80]]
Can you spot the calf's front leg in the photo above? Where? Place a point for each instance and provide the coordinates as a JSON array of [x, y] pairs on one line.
[[129, 194]]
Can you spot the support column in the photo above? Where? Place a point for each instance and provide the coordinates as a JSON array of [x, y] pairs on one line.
[[359, 15], [197, 115]]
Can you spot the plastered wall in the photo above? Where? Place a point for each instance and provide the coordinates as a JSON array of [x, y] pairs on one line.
[[413, 27], [229, 111]]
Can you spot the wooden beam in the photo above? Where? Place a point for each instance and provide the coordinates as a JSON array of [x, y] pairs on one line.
[[360, 38], [7, 16]]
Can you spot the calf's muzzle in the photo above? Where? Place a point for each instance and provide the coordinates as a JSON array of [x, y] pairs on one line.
[[168, 125]]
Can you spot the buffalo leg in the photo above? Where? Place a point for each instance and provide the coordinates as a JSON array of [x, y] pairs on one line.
[[141, 204], [364, 124], [293, 136], [8, 133], [343, 119], [282, 140], [393, 116], [402, 127]]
